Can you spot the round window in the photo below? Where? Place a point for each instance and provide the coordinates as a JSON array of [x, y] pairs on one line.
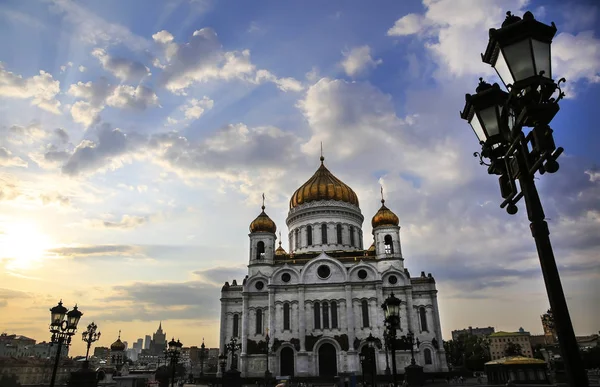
[[286, 277], [393, 279], [323, 271], [362, 274], [260, 285]]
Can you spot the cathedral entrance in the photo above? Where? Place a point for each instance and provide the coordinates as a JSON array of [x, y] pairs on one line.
[[286, 362], [368, 366], [327, 360]]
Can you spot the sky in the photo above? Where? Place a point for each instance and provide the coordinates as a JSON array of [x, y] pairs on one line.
[[136, 140]]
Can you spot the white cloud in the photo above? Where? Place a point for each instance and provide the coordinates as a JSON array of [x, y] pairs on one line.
[[41, 89], [195, 107], [576, 57], [29, 134], [82, 69], [202, 59], [8, 160], [358, 60], [122, 68], [408, 25], [129, 97]]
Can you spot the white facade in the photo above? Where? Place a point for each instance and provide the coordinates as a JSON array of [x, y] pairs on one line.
[[338, 277]]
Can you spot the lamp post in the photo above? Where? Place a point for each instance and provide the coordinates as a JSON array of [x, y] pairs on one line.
[[372, 342], [202, 353], [223, 364], [267, 372], [361, 357], [89, 336], [173, 353], [63, 324], [386, 343], [233, 346], [410, 341], [391, 309], [519, 51]]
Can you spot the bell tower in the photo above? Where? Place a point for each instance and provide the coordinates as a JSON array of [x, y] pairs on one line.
[[386, 233], [262, 238]]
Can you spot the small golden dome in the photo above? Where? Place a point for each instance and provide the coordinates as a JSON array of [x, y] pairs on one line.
[[372, 248], [263, 223], [384, 217], [280, 250], [118, 345], [323, 186]]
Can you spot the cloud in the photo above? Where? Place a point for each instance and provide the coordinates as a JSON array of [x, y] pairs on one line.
[[8, 188], [82, 69], [122, 68], [126, 222], [55, 198], [18, 17], [97, 95], [62, 135], [86, 251], [28, 134], [8, 160], [577, 58], [202, 59], [218, 275], [358, 60], [41, 89], [194, 108], [7, 295], [408, 25]]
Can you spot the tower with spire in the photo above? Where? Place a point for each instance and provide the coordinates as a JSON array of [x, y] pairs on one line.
[[320, 300], [158, 342]]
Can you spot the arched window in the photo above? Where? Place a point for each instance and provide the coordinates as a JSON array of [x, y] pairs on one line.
[[423, 317], [339, 234], [286, 316], [389, 246], [324, 233], [309, 235], [259, 315], [334, 322], [236, 324], [297, 236], [325, 315], [427, 355], [317, 308], [365, 313], [260, 250], [352, 236], [360, 239]]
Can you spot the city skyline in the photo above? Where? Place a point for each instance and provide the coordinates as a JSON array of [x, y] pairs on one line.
[[135, 152]]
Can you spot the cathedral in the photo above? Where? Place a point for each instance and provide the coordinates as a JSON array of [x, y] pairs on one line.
[[319, 302]]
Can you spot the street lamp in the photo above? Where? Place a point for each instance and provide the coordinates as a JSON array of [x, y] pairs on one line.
[[520, 53], [202, 353], [63, 324], [173, 353], [223, 364], [361, 357], [410, 341], [391, 309], [267, 372], [386, 343], [372, 342], [90, 336], [233, 346]]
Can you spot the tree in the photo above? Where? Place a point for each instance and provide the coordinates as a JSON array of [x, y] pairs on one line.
[[513, 349], [468, 351], [537, 352]]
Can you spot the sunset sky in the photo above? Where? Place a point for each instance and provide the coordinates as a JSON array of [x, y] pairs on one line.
[[136, 139]]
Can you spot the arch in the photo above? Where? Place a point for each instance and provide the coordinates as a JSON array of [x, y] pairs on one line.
[[317, 320], [259, 318], [388, 244], [427, 356], [352, 236], [260, 250], [325, 307], [324, 234], [286, 361], [286, 316], [319, 260], [327, 355], [370, 364], [236, 325], [309, 235], [334, 316], [365, 313], [372, 272], [339, 233], [423, 319], [276, 276]]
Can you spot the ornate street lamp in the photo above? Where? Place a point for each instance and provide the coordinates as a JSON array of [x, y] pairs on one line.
[[267, 372], [202, 353], [391, 309], [386, 343], [410, 341], [89, 336], [361, 357], [223, 364], [63, 324], [520, 53], [173, 353], [371, 343], [233, 346]]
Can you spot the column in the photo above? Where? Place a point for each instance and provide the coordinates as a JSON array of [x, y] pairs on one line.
[[271, 311], [410, 316], [223, 332], [378, 310], [301, 318], [373, 317], [350, 315], [244, 316]]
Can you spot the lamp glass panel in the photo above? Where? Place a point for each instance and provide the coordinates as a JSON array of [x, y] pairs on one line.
[[73, 320], [478, 129], [57, 317], [503, 71], [489, 118], [519, 59], [394, 310], [541, 53]]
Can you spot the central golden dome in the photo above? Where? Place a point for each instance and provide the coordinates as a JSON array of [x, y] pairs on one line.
[[323, 186]]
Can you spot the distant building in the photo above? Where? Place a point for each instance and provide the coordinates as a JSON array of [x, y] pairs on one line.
[[158, 343], [139, 344], [102, 353], [473, 331], [29, 371], [499, 341], [147, 342], [20, 347]]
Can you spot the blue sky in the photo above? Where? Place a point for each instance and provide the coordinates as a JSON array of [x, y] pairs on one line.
[[137, 138]]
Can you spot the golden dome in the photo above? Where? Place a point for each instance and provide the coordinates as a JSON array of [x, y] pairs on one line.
[[263, 223], [118, 345], [384, 217], [323, 186], [280, 250]]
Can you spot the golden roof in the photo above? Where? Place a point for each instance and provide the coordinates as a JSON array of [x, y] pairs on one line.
[[372, 248], [323, 185], [384, 217], [280, 250], [117, 345], [263, 223], [516, 360]]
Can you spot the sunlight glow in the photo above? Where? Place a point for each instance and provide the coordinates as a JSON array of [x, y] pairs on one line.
[[22, 245]]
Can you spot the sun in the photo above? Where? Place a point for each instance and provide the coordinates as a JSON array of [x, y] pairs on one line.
[[22, 245]]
